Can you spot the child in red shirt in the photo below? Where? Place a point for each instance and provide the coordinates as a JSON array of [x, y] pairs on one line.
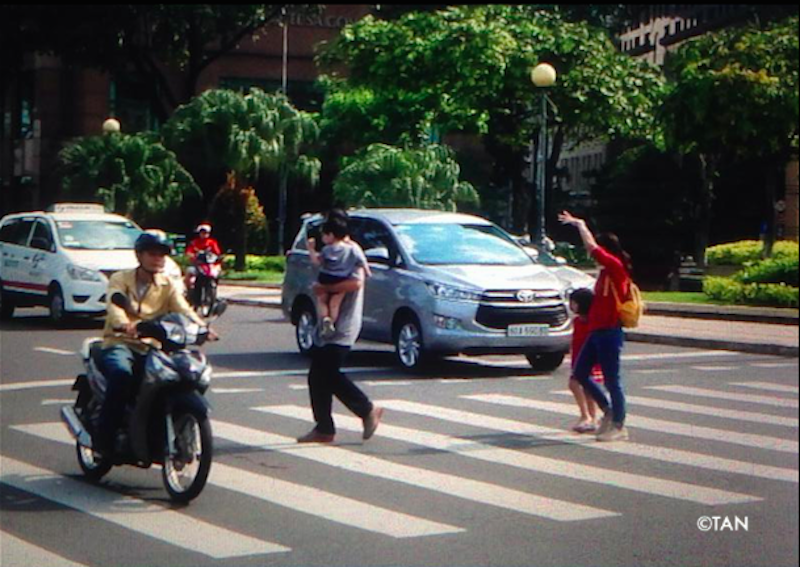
[[579, 303]]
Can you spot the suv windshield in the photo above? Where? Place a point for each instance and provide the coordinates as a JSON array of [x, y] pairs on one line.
[[97, 234], [437, 244]]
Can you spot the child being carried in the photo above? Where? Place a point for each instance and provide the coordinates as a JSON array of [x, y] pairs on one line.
[[338, 261]]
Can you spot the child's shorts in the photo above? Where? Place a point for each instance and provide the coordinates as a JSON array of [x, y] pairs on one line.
[[328, 279]]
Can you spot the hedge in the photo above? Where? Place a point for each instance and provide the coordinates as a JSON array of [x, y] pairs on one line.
[[732, 291], [739, 253], [772, 270], [255, 263]]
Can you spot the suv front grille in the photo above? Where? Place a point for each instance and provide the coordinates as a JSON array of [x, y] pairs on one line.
[[496, 317]]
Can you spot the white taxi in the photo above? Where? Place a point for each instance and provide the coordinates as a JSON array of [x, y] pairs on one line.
[[62, 258]]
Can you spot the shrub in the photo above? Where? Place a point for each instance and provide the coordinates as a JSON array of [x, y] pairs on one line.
[[732, 291], [772, 270], [255, 263], [739, 253]]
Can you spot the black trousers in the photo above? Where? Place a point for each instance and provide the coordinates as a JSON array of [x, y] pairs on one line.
[[325, 380]]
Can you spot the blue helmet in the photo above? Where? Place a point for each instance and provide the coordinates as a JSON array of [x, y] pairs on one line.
[[153, 241]]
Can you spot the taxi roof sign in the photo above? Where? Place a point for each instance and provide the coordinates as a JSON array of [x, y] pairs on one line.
[[76, 208]]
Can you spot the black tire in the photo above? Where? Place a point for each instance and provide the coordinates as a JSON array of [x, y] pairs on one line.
[[94, 466], [409, 344], [545, 361], [190, 427], [55, 302], [6, 304], [305, 328]]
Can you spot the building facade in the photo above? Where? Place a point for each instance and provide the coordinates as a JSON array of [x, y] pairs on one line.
[[51, 103]]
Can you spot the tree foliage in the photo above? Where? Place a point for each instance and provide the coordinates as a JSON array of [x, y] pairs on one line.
[[133, 175], [467, 68], [245, 135], [734, 95], [389, 176]]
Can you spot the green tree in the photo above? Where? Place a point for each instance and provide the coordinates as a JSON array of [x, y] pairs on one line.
[[133, 175], [388, 176], [467, 69], [734, 95], [245, 135]]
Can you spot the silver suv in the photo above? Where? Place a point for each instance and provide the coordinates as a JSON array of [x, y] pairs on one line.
[[443, 284]]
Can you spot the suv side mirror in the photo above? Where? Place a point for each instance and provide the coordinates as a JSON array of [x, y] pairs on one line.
[[378, 255]]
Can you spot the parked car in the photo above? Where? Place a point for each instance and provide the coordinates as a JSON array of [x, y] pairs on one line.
[[443, 284], [62, 258]]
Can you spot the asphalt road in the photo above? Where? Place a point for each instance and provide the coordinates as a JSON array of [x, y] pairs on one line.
[[473, 464]]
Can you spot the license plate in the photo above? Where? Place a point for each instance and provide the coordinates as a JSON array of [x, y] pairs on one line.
[[528, 330]]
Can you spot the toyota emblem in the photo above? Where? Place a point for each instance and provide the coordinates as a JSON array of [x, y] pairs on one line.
[[526, 295]]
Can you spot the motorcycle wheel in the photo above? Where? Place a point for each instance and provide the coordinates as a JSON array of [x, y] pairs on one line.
[[207, 297], [94, 467], [185, 473]]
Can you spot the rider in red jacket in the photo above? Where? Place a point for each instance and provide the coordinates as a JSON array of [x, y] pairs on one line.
[[202, 243]]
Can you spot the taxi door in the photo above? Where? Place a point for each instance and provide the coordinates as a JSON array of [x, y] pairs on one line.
[[16, 255]]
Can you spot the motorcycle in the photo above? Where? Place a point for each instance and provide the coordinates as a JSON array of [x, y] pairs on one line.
[[166, 421], [203, 287]]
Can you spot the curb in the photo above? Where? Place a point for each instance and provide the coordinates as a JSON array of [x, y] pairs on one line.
[[774, 316], [713, 344]]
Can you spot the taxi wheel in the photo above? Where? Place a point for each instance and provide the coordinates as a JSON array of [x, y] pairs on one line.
[[55, 301], [6, 305]]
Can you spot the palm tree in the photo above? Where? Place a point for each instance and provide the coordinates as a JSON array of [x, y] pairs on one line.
[[425, 178], [133, 175], [245, 135]]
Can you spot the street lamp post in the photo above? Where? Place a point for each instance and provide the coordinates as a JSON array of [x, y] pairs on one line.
[[543, 75]]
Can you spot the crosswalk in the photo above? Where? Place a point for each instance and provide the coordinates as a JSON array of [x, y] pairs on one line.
[[458, 452]]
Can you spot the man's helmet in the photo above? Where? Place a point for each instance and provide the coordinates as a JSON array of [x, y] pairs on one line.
[[155, 240], [203, 226]]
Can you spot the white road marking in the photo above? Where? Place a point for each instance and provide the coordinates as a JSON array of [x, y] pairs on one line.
[[675, 456], [773, 364], [236, 390], [706, 410], [677, 355], [15, 552], [720, 395], [57, 402], [34, 384], [653, 371], [308, 500], [713, 368], [133, 513], [768, 386], [50, 350], [535, 463], [460, 487], [662, 426]]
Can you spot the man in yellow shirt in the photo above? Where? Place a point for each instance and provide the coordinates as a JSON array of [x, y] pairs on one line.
[[151, 294]]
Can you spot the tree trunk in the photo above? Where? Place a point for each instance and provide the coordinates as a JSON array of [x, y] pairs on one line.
[[702, 209], [772, 176]]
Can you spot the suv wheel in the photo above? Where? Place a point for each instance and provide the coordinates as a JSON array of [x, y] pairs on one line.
[[408, 344], [6, 305], [305, 328], [545, 361]]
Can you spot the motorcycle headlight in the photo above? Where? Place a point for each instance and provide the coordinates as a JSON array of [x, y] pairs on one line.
[[441, 291], [83, 274]]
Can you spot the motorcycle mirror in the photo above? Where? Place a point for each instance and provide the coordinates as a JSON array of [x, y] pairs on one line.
[[121, 300]]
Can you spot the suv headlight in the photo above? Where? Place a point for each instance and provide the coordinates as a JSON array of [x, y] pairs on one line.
[[83, 274], [453, 293]]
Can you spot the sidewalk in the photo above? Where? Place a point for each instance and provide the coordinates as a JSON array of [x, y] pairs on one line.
[[745, 329]]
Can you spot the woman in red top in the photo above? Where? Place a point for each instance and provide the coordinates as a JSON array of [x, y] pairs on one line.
[[604, 345]]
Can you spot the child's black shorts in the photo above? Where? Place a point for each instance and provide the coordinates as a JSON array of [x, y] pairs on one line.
[[328, 279]]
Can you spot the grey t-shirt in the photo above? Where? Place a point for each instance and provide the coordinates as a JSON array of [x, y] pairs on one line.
[[342, 258], [351, 316]]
